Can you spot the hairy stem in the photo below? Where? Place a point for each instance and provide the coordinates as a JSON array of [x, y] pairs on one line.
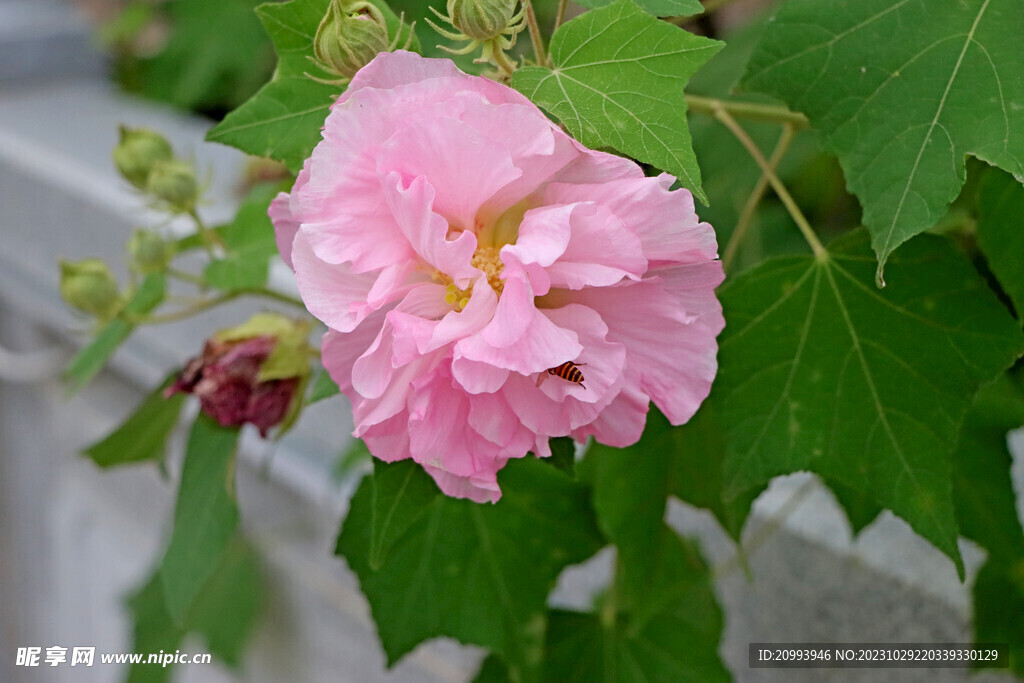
[[746, 110], [820, 252], [747, 215], [535, 36]]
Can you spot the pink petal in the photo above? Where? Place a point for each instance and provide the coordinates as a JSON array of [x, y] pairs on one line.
[[642, 315], [427, 232], [479, 488], [285, 226], [332, 293], [664, 220], [601, 251], [465, 168]]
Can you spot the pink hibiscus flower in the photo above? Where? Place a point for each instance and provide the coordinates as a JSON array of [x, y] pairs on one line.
[[489, 282]]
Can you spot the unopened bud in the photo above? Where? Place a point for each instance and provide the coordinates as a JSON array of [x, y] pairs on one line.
[[251, 373], [481, 19], [136, 153], [90, 286], [149, 252], [175, 183], [349, 37]]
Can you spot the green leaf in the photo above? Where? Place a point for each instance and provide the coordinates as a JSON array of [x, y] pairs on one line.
[[250, 242], [205, 515], [677, 643], [631, 485], [563, 455], [229, 606], [986, 505], [1001, 232], [478, 573], [659, 8], [153, 630], [821, 371], [999, 608], [902, 90], [861, 508], [224, 615], [198, 68], [143, 436], [91, 359], [618, 81], [283, 120], [323, 387]]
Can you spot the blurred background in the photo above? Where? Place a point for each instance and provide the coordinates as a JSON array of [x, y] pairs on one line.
[[77, 542]]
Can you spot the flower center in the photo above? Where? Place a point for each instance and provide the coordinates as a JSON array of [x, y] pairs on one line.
[[488, 260]]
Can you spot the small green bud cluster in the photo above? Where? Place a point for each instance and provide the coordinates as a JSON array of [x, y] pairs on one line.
[[90, 287], [481, 19], [148, 252], [146, 160]]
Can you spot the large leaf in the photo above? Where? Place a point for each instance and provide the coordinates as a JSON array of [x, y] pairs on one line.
[[902, 90], [821, 371], [283, 120], [224, 615], [478, 573], [631, 484], [91, 359], [205, 515], [999, 608], [250, 242], [1001, 232], [659, 8], [197, 68], [678, 642], [143, 436], [986, 505], [617, 81]]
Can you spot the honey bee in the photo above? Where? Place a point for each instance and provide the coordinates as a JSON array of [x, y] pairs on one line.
[[568, 371]]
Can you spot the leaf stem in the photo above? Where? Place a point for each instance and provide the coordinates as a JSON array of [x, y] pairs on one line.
[[747, 215], [535, 36], [820, 252], [210, 238], [207, 304], [187, 277], [746, 110], [560, 15]]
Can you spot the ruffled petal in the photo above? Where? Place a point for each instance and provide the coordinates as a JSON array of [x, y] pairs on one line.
[[664, 220]]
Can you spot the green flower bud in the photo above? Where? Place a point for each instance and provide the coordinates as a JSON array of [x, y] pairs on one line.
[[174, 182], [481, 19], [349, 36], [89, 286], [137, 152], [149, 252]]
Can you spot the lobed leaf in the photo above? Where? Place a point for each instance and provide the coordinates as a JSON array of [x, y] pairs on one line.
[[677, 642], [618, 80], [821, 371], [902, 90], [283, 120], [659, 8], [432, 565], [1001, 232]]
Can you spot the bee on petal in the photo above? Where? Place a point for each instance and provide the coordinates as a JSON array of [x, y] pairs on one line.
[[568, 371]]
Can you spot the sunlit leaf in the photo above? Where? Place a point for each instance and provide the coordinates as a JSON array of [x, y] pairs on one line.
[[617, 81], [902, 90]]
